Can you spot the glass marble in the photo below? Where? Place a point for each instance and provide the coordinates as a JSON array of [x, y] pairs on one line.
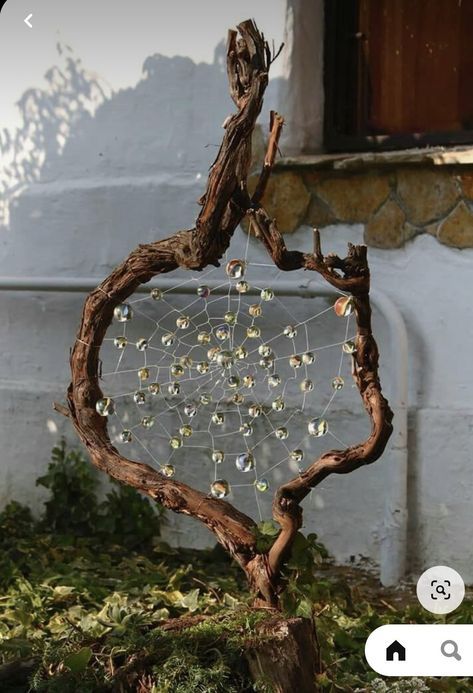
[[168, 470], [185, 431], [278, 404], [255, 310], [219, 488], [156, 294], [262, 485], [120, 342], [218, 418], [147, 421], [123, 312], [222, 332], [177, 370], [308, 357], [139, 397], [245, 462], [142, 344], [218, 456], [190, 410], [125, 436], [295, 361], [167, 339], [343, 306], [290, 331], [349, 347], [253, 332], [183, 322], [225, 359], [203, 338], [105, 406], [174, 389], [274, 380], [281, 433], [235, 269], [338, 382], [175, 442], [203, 291], [246, 429], [296, 455], [306, 385], [317, 427], [143, 373], [242, 287], [230, 317], [154, 388], [203, 367]]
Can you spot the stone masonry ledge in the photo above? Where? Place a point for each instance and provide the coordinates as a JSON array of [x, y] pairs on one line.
[[430, 156]]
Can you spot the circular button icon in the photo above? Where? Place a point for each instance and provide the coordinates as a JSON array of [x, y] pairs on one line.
[[440, 589]]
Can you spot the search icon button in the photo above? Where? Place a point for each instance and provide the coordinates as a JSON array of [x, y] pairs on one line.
[[449, 648]]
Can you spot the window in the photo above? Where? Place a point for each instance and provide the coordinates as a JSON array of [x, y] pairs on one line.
[[398, 73]]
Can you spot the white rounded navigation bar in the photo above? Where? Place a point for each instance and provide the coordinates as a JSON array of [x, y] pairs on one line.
[[421, 650]]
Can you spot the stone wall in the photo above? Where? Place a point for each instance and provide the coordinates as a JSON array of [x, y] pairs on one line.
[[394, 203]]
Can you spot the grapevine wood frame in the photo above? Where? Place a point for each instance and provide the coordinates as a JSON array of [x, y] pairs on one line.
[[224, 204]]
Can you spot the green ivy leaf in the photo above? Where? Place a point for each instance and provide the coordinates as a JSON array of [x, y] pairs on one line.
[[77, 661]]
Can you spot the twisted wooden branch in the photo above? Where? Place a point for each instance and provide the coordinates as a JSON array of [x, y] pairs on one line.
[[224, 203]]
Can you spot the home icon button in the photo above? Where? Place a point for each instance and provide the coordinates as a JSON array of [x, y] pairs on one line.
[[396, 651]]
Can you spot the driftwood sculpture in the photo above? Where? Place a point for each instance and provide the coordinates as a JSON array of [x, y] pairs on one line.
[[224, 204]]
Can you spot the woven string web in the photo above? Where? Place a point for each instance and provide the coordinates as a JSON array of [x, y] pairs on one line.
[[221, 387]]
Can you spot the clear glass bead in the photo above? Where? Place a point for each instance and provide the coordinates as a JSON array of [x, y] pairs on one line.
[[123, 312], [242, 287], [278, 404], [175, 442], [266, 363], [290, 331], [139, 397], [233, 381], [125, 436], [248, 381], [230, 317], [156, 294], [219, 488], [296, 455], [225, 359], [349, 347], [338, 382], [265, 350], [185, 431], [255, 310], [154, 388], [255, 410], [205, 398], [235, 269], [142, 344], [213, 353], [143, 373], [120, 342], [267, 294], [218, 456], [203, 338], [240, 353], [203, 367], [274, 380], [222, 332], [262, 485], [245, 462], [177, 370], [238, 398], [306, 385], [203, 291], [253, 332], [317, 427], [308, 357], [246, 429], [295, 361], [147, 421], [167, 339], [105, 406], [190, 410], [218, 418], [174, 389], [168, 470], [343, 306], [186, 361], [183, 322], [281, 433]]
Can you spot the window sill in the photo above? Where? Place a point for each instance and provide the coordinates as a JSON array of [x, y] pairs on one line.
[[427, 156]]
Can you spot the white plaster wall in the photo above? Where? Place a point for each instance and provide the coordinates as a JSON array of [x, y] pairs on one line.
[[132, 174]]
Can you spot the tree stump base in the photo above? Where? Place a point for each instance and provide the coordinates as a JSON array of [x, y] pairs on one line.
[[285, 655]]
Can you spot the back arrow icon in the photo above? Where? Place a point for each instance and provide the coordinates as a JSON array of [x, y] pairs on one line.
[[27, 21]]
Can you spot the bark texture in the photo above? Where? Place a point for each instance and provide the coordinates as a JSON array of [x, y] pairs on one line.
[[224, 203]]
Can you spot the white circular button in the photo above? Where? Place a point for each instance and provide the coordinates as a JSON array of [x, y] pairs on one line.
[[440, 589]]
